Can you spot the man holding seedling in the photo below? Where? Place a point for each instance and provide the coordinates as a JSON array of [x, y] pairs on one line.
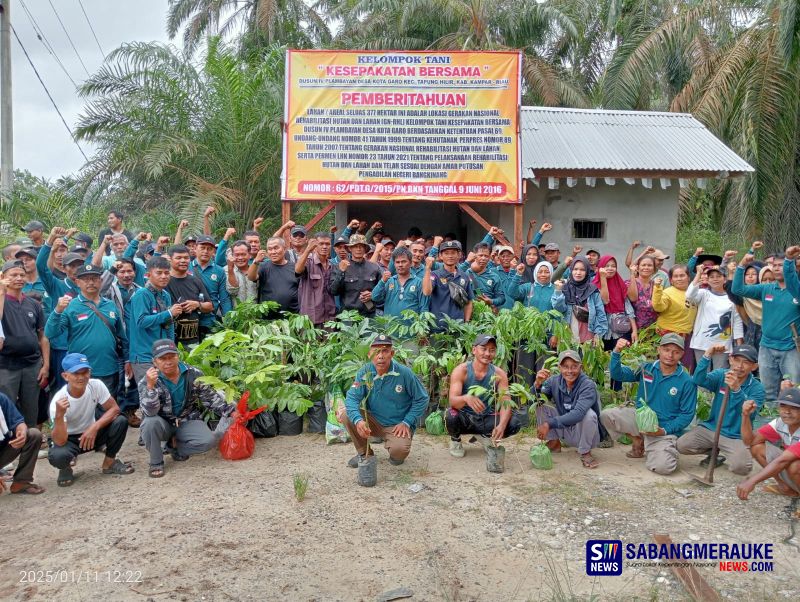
[[667, 389], [738, 383], [775, 446], [577, 406], [471, 412], [393, 399]]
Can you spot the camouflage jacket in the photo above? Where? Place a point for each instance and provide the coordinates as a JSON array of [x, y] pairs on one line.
[[199, 397]]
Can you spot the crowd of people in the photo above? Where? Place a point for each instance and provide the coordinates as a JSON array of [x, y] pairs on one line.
[[90, 332]]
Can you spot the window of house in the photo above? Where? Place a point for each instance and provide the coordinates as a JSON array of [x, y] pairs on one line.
[[588, 229]]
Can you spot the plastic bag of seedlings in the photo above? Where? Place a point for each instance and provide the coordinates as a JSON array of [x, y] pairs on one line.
[[434, 423], [334, 430], [646, 419], [541, 458]]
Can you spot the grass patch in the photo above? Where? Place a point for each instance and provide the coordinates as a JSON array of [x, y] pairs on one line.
[[300, 482]]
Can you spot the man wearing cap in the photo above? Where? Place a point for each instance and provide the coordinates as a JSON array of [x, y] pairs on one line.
[[298, 239], [394, 400], [314, 268], [34, 286], [93, 326], [174, 403], [577, 407], [503, 271], [740, 385], [775, 446], [78, 424], [667, 389], [18, 441], [356, 277], [34, 230], [552, 253], [383, 252], [780, 310], [449, 289], [239, 287], [149, 316], [213, 277], [25, 354], [83, 241], [403, 291], [700, 257], [276, 278], [485, 281], [188, 290], [473, 414], [593, 257]]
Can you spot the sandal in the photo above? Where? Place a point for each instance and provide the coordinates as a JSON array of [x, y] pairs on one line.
[[119, 467], [588, 460], [776, 490], [156, 471], [30, 489], [65, 477]]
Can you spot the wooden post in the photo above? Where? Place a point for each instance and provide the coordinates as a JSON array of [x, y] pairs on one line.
[[474, 215], [286, 215], [518, 229], [320, 214]]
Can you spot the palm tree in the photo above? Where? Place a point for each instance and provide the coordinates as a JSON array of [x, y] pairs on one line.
[[736, 66], [258, 22], [536, 29], [185, 134]]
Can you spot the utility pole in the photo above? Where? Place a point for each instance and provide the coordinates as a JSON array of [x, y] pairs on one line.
[[6, 112]]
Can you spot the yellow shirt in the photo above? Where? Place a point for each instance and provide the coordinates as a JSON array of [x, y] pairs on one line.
[[673, 315]]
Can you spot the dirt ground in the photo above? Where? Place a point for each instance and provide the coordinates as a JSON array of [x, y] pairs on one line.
[[217, 530]]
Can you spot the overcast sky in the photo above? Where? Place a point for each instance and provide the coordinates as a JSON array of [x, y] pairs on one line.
[[42, 144]]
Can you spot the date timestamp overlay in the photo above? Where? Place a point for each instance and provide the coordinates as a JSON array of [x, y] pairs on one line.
[[73, 576]]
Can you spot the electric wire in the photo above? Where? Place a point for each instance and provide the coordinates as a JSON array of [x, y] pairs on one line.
[[45, 42], [89, 22], [50, 96], [68, 36]]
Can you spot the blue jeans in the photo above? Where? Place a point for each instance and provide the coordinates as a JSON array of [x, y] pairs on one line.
[[773, 364]]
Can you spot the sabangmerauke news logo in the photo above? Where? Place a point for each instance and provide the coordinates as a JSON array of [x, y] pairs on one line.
[[603, 557]]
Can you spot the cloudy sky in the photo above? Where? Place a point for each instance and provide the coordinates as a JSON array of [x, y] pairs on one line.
[[42, 144]]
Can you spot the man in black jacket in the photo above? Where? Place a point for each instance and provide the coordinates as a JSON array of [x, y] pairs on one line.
[[354, 280]]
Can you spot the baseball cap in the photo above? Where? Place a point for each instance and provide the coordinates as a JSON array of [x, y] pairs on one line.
[[450, 244], [387, 241], [84, 238], [659, 254], [23, 242], [33, 225], [148, 248], [382, 339], [88, 270], [569, 354], [299, 230], [715, 268], [593, 251], [205, 239], [73, 362], [78, 249], [501, 248], [483, 339], [672, 338], [748, 352], [190, 237], [790, 397], [341, 240], [29, 251], [72, 258], [357, 239], [163, 347], [552, 246], [11, 264]]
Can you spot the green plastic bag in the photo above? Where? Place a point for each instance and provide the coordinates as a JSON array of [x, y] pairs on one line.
[[541, 458], [646, 419], [434, 423]]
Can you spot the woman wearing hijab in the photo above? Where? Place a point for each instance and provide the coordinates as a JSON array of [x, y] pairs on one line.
[[580, 301], [640, 291], [530, 260], [619, 311]]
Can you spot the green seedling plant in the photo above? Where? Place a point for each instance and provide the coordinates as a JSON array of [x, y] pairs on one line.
[[497, 398], [300, 482]]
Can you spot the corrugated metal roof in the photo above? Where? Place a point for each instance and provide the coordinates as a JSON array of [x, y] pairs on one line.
[[618, 142]]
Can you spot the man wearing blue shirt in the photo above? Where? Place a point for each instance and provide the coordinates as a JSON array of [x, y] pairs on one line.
[[780, 310], [395, 400], [214, 278], [485, 281], [667, 388], [741, 386], [400, 292], [449, 289]]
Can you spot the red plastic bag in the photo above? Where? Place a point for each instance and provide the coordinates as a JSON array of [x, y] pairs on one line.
[[238, 443]]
